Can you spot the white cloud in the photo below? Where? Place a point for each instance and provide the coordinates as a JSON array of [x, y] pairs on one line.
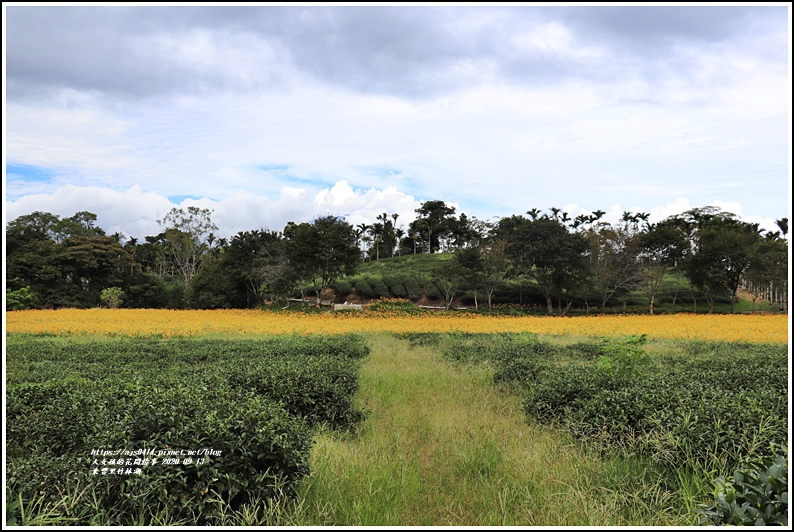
[[498, 110], [361, 206], [135, 212]]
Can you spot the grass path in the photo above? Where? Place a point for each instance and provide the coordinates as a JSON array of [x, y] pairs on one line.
[[442, 446]]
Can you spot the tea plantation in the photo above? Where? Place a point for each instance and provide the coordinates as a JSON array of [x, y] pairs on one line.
[[169, 425], [710, 404]]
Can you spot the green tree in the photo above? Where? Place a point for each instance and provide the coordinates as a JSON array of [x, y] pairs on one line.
[[483, 266], [721, 250], [543, 249], [187, 235], [469, 262], [661, 247], [767, 274], [493, 258], [449, 277], [613, 252], [433, 225], [65, 262], [144, 290], [80, 224], [21, 299], [91, 264], [257, 261], [214, 286], [32, 255], [321, 251]]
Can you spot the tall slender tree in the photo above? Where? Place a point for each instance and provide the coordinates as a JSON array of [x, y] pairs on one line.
[[186, 237]]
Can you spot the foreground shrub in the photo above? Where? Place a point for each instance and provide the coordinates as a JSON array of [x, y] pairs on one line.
[[756, 495], [713, 411], [248, 444], [241, 407]]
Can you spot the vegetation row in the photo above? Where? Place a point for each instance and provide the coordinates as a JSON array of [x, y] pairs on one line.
[[704, 254], [239, 411], [717, 408]]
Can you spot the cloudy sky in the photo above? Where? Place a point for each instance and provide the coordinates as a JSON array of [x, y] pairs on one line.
[[270, 114]]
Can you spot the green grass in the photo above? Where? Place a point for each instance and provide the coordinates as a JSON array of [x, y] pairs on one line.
[[443, 446], [418, 263]]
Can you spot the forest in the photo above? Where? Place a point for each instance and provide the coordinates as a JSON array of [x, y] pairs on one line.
[[549, 260]]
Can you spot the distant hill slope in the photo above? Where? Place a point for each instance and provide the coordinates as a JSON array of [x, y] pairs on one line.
[[419, 264]]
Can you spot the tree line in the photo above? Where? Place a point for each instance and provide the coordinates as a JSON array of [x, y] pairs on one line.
[[54, 262]]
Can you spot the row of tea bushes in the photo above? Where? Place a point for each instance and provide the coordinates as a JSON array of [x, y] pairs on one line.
[[712, 404], [228, 419]]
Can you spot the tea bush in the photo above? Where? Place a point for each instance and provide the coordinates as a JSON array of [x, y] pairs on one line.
[[252, 401], [624, 356], [717, 405], [51, 440], [342, 286], [395, 284], [364, 287], [412, 289]]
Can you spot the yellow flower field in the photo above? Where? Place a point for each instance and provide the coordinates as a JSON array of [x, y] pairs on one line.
[[166, 323]]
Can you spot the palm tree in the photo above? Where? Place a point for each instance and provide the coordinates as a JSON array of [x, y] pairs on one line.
[[399, 233], [376, 230], [362, 234]]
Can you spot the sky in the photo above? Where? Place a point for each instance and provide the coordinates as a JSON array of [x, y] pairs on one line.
[[268, 114]]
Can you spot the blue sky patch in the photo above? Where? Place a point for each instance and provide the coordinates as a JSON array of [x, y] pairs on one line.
[[308, 181], [386, 172], [180, 199], [273, 168], [282, 173], [28, 172]]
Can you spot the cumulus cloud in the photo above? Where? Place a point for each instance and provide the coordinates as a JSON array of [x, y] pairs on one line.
[[134, 212]]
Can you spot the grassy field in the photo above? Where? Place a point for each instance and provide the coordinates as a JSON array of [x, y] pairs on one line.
[[443, 446], [440, 444]]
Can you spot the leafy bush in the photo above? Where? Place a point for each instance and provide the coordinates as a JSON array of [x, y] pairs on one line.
[[317, 388], [21, 299], [395, 284], [112, 297], [379, 288], [430, 289], [364, 288], [250, 400], [412, 289], [342, 287], [585, 350], [54, 429], [624, 356], [719, 404], [757, 495]]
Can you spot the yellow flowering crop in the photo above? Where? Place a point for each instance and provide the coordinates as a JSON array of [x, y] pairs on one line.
[[166, 323]]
